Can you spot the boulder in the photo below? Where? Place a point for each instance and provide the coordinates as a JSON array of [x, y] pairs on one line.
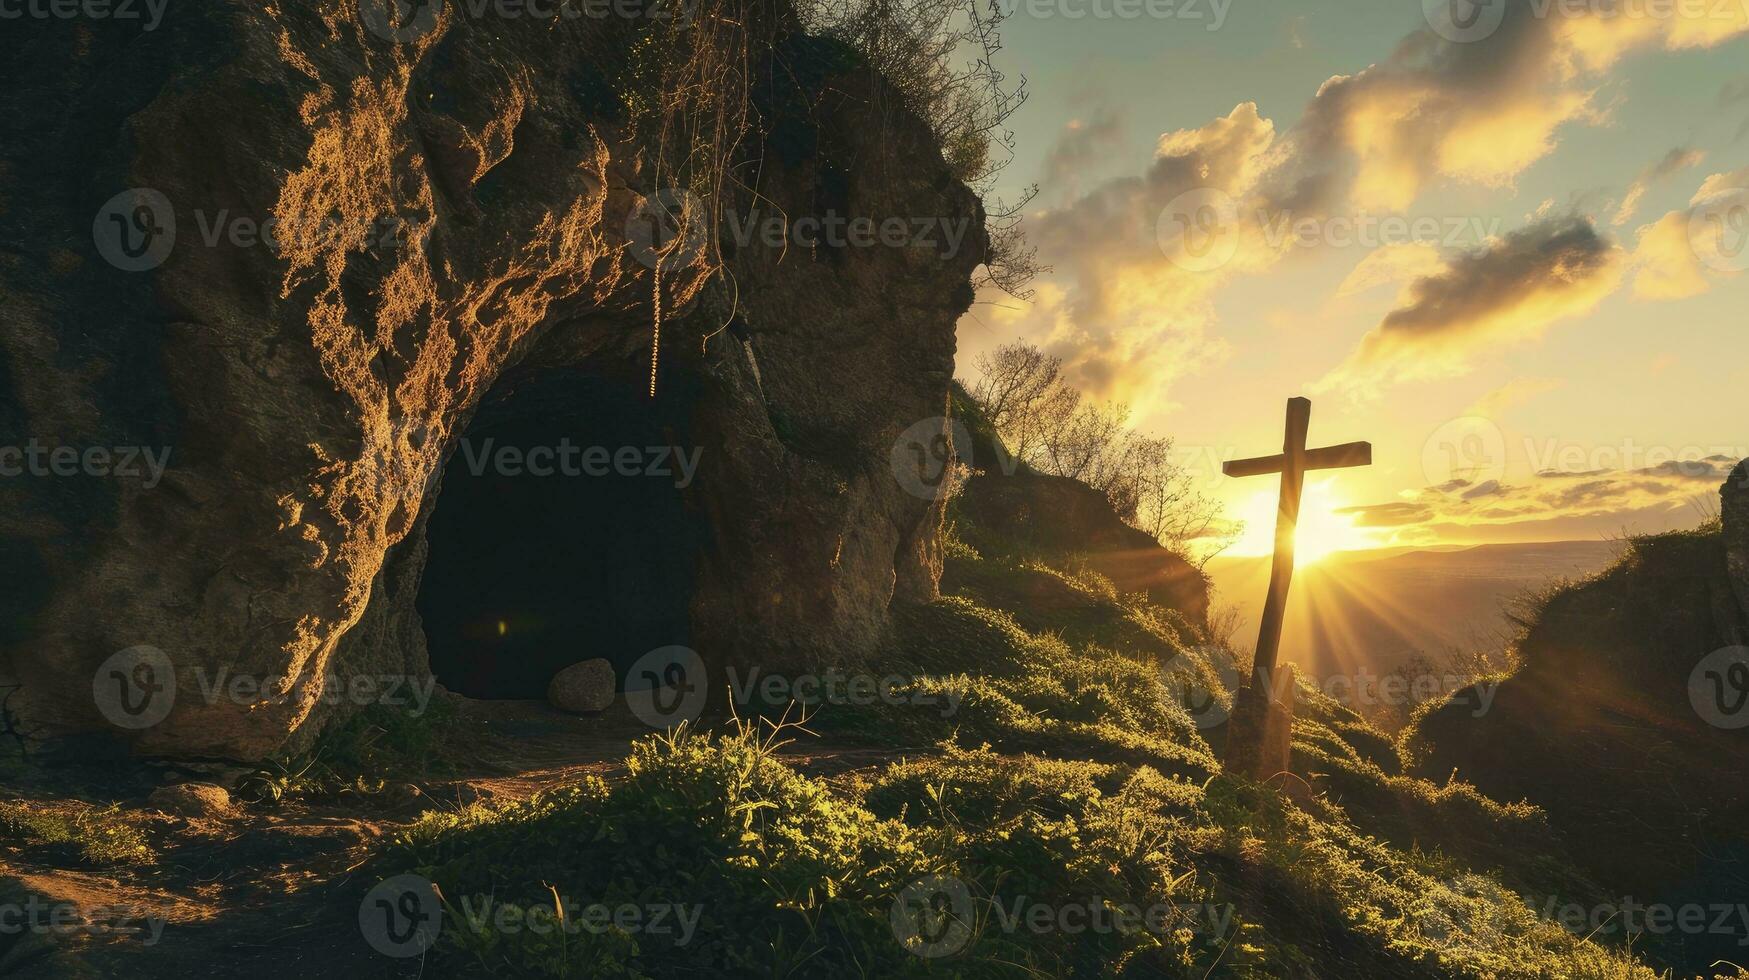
[[204, 800], [584, 688]]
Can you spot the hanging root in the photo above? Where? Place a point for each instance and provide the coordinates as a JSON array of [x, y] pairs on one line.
[[656, 328]]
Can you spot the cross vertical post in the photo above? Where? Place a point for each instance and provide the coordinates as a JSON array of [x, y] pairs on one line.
[[1287, 518], [1260, 727]]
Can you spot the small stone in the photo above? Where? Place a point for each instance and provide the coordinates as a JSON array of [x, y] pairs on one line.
[[192, 800], [402, 794], [586, 687]]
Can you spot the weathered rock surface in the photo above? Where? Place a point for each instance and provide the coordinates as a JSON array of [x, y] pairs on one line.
[[584, 688], [452, 207]]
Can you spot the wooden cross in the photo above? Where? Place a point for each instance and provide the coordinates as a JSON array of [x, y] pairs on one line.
[[1292, 464]]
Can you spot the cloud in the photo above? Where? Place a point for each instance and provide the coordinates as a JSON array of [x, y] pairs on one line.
[[1680, 158], [1514, 393], [1478, 112], [1080, 145], [1128, 316], [1117, 311], [1392, 263], [1734, 91], [1684, 252], [1562, 503], [1501, 294]]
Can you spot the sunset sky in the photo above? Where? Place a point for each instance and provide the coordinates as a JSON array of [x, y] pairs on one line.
[[1562, 315]]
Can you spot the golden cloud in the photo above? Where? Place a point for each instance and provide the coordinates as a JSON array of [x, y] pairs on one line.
[[1505, 293]]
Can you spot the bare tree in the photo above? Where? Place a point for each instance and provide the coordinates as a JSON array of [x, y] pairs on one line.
[[1022, 391], [1174, 511], [1049, 425]]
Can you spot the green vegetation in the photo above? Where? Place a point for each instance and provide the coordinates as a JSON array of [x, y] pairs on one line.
[[1595, 723], [1066, 818], [357, 756], [73, 834]]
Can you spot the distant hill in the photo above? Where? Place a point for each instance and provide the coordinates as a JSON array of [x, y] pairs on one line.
[[1377, 608]]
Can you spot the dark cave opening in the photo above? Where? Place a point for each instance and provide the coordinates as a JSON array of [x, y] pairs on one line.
[[561, 533]]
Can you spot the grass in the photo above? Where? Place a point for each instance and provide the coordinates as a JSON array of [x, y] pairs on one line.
[[357, 756], [784, 875], [1067, 819], [73, 834]]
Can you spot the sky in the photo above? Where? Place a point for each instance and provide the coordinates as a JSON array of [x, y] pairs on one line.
[[1503, 243]]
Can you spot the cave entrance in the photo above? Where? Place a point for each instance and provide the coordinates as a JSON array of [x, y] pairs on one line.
[[561, 533]]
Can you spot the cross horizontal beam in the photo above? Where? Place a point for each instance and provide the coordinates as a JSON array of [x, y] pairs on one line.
[[1328, 458]]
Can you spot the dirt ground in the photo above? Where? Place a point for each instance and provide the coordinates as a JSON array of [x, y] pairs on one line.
[[275, 890]]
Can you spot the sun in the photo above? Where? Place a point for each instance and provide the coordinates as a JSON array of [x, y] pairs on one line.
[[1321, 529]]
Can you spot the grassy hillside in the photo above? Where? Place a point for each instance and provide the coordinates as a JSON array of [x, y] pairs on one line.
[[1067, 818], [1597, 726]]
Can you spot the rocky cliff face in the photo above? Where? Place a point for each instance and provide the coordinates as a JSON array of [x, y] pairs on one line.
[[230, 440]]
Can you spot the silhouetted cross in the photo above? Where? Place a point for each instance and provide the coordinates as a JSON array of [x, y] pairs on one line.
[[1292, 464]]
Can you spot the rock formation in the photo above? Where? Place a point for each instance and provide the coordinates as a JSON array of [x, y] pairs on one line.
[[456, 207]]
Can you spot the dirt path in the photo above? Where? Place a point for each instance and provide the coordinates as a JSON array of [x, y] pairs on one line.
[[275, 891]]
